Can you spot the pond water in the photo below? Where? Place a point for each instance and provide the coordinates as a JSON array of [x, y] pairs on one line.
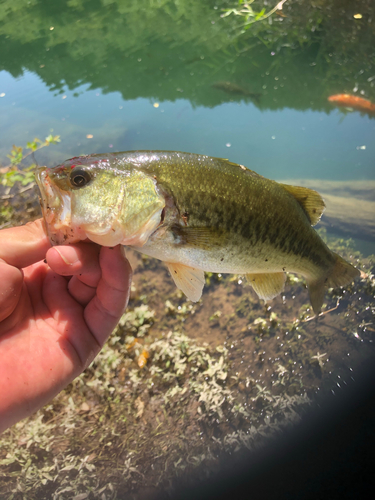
[[85, 68], [117, 75]]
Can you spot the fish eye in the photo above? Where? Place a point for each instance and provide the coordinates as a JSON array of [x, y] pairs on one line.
[[79, 177]]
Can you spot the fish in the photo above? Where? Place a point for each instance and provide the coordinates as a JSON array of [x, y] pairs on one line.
[[196, 213], [233, 88], [353, 101]]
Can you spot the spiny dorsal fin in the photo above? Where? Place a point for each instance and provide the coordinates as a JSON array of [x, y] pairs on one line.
[[267, 285], [188, 280], [311, 201]]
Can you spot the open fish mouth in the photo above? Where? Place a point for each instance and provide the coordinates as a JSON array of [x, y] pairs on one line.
[[56, 210]]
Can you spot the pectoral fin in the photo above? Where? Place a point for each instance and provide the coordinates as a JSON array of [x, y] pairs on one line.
[[188, 280], [267, 285], [200, 237]]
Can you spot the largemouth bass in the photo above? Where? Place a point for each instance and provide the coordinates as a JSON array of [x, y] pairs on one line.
[[195, 213]]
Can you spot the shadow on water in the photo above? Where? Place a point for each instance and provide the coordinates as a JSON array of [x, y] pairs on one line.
[[182, 388]]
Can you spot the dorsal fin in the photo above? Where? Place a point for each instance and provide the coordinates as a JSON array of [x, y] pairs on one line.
[[311, 201]]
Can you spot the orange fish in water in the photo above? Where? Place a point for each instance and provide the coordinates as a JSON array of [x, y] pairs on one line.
[[353, 101]]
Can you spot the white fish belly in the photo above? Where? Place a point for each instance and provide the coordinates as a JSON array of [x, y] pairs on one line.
[[219, 260]]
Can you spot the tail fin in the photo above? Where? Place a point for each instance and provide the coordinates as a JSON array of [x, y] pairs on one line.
[[341, 274]]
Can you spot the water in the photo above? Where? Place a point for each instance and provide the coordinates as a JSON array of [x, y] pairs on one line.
[[79, 86], [147, 75], [286, 143]]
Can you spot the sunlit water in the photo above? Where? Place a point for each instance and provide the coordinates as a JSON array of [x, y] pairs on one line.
[[278, 144]]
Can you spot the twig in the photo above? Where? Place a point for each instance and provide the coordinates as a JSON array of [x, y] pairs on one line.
[[23, 190], [322, 313], [279, 6]]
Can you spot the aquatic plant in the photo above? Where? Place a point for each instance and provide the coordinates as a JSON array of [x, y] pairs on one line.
[[16, 179], [246, 11]]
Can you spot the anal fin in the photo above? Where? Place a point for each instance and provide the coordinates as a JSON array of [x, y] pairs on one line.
[[188, 279], [267, 285]]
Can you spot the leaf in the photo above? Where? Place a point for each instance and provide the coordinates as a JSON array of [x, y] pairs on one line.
[[228, 12], [16, 155], [32, 145], [260, 14], [52, 139]]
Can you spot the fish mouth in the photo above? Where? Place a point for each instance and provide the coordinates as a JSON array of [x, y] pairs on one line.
[[56, 210]]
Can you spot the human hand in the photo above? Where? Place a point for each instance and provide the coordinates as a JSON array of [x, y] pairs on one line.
[[55, 315]]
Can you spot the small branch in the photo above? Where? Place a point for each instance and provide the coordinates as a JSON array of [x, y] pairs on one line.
[[323, 313], [23, 190], [279, 6]]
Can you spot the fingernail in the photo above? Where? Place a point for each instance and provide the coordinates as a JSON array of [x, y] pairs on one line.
[[68, 250]]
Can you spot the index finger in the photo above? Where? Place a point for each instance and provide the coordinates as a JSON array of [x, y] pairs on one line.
[[24, 245]]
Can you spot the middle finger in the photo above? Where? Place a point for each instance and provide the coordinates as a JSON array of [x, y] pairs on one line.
[[80, 291]]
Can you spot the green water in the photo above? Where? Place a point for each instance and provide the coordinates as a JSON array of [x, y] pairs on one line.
[[99, 67]]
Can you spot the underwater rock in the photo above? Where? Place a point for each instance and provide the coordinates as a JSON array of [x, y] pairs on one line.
[[350, 205]]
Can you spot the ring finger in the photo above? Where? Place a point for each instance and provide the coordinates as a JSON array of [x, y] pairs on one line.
[[81, 292]]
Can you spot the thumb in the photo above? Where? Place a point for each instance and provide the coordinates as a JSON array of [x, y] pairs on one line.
[[24, 245]]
